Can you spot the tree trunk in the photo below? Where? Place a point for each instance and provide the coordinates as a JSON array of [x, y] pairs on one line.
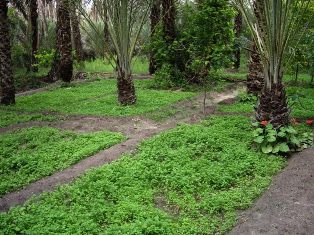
[[237, 30], [77, 39], [6, 74], [273, 106], [169, 20], [155, 18], [34, 27], [126, 88], [255, 77], [62, 67]]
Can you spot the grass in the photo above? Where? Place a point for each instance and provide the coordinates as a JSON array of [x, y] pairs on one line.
[[301, 100], [32, 153], [139, 66], [98, 98], [189, 180], [8, 118]]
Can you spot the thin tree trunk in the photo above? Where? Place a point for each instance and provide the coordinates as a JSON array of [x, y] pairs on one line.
[[34, 28], [77, 39], [6, 74], [237, 51], [155, 18]]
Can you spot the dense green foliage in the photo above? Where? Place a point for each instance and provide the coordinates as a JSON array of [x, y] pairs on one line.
[[30, 154], [203, 43], [301, 101], [98, 98], [282, 141], [9, 118], [193, 184]]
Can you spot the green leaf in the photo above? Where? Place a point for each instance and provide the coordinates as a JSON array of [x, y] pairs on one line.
[[284, 148], [271, 138], [276, 149], [259, 139], [282, 134], [267, 148]]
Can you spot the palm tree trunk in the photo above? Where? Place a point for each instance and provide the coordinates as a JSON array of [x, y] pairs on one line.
[[237, 30], [126, 88], [155, 18], [77, 39], [273, 106], [62, 67], [169, 20], [6, 74], [255, 77], [34, 26]]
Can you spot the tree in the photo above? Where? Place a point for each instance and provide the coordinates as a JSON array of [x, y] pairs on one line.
[[155, 19], [6, 74], [272, 24], [125, 20], [237, 32], [76, 33], [62, 67], [34, 26]]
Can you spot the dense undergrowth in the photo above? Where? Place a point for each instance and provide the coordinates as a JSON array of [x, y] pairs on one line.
[[189, 180], [32, 153], [8, 118], [301, 100], [98, 98]]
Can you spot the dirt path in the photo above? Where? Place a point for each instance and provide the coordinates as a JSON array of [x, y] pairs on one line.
[[288, 206], [136, 129]]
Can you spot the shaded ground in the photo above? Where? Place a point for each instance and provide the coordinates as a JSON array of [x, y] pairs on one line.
[[288, 206], [136, 128]]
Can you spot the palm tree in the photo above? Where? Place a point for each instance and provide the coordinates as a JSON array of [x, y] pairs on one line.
[[169, 20], [34, 26], [76, 33], [255, 77], [62, 67], [237, 32], [6, 74], [272, 23], [154, 18]]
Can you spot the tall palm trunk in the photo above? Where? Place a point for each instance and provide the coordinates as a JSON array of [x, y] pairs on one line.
[[169, 20], [62, 67], [237, 30], [255, 77], [77, 39], [155, 18], [34, 27], [6, 74]]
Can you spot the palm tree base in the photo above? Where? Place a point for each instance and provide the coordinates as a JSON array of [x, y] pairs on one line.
[[126, 91], [273, 106]]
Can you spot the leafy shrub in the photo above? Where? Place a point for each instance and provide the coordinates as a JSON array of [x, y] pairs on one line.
[[45, 58], [281, 141], [244, 97]]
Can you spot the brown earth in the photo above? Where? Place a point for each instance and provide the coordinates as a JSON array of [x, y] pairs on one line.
[[287, 207]]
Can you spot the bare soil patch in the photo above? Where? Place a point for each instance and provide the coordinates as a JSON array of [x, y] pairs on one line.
[[288, 206]]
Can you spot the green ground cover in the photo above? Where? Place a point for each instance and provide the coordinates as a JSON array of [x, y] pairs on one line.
[[139, 66], [189, 180], [8, 118], [301, 100], [98, 98], [32, 153]]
